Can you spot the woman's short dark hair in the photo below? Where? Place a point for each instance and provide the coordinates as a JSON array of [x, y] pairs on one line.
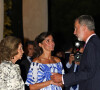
[[39, 39], [8, 48]]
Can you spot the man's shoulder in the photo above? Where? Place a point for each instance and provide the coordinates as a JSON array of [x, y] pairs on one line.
[[24, 61]]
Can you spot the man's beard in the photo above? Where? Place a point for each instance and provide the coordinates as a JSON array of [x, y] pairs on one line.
[[80, 39]]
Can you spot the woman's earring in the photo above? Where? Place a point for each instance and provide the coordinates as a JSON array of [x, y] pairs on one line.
[[12, 57]]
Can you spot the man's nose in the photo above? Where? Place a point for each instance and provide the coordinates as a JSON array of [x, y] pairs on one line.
[[74, 32]]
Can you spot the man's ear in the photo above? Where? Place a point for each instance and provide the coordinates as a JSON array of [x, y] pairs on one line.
[[84, 27]]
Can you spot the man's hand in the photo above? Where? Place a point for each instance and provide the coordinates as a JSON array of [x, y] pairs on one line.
[[71, 58], [57, 78], [57, 84]]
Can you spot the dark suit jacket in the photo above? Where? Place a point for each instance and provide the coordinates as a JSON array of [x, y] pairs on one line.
[[66, 60], [24, 66], [88, 76], [69, 70]]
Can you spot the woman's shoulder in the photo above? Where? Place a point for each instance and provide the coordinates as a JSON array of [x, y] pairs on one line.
[[36, 60], [9, 67], [39, 60], [7, 64]]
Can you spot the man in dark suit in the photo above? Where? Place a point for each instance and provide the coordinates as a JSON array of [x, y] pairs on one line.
[[26, 60], [88, 76]]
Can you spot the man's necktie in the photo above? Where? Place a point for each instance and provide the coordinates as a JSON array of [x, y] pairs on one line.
[[77, 68], [31, 58]]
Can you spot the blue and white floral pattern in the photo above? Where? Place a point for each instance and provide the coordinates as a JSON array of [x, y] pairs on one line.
[[10, 78], [39, 72]]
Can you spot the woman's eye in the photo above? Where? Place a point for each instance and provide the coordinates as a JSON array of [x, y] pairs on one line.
[[21, 48], [47, 40]]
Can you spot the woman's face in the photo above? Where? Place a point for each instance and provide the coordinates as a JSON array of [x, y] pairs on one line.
[[20, 52], [47, 44]]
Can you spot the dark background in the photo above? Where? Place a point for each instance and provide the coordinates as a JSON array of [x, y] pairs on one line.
[[62, 13]]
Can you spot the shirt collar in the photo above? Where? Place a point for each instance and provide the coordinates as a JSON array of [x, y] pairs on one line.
[[89, 37], [28, 57]]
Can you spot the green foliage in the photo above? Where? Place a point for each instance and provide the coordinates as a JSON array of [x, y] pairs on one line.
[[7, 17]]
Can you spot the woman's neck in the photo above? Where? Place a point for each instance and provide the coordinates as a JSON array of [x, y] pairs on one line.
[[46, 56], [13, 60]]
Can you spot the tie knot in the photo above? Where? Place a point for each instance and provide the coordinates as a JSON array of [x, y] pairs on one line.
[[31, 58]]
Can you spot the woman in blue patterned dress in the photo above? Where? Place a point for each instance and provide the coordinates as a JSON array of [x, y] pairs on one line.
[[44, 65]]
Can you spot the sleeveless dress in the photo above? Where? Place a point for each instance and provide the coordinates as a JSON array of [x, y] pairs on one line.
[[39, 73]]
